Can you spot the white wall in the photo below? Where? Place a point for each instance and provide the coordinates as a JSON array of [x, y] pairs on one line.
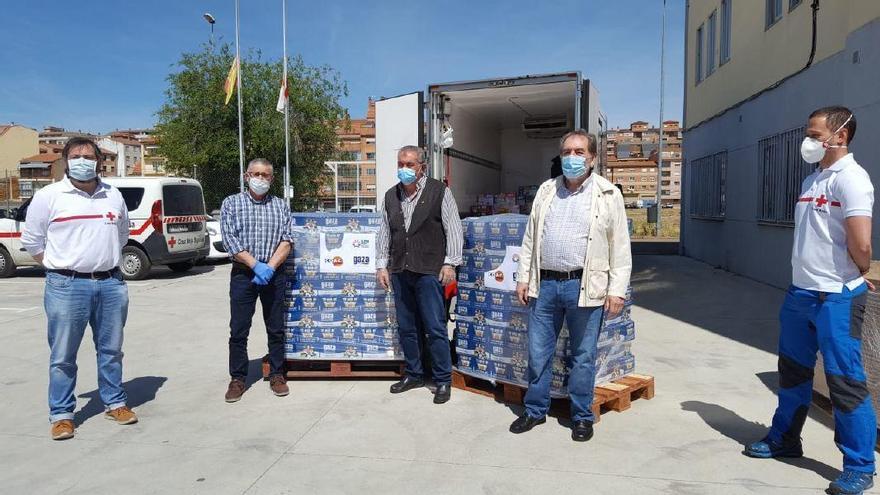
[[397, 125], [526, 161], [119, 149], [478, 137]]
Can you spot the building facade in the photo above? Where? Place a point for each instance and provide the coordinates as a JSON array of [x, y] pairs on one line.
[[352, 183], [59, 136], [750, 84], [38, 171], [16, 142], [632, 161], [128, 150]]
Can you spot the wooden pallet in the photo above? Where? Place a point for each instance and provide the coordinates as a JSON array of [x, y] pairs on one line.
[[615, 396], [303, 368]]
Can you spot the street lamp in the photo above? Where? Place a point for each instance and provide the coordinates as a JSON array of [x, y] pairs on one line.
[[210, 19]]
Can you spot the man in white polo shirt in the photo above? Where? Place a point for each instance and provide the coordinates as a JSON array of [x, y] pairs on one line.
[[825, 307], [76, 228]]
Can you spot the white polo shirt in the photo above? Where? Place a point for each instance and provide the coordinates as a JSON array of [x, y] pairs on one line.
[[820, 260], [75, 231]]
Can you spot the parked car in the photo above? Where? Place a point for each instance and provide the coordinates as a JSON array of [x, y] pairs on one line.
[[362, 209], [217, 252], [12, 254], [166, 227], [10, 213]]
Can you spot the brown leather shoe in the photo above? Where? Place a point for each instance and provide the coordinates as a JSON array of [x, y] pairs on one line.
[[235, 390], [122, 415], [62, 430], [278, 385]]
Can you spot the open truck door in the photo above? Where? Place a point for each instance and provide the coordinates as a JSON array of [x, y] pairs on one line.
[[400, 121], [593, 120]]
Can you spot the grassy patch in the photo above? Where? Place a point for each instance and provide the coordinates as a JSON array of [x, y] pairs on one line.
[[670, 223]]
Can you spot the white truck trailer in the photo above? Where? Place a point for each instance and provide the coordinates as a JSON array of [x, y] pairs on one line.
[[505, 132]]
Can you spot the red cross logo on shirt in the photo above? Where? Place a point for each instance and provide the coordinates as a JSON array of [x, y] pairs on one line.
[[821, 201], [172, 242], [110, 216]]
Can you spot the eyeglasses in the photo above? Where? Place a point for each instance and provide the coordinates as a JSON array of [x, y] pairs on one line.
[[262, 175]]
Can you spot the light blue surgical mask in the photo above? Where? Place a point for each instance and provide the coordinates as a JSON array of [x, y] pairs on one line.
[[406, 175], [82, 169], [574, 166]]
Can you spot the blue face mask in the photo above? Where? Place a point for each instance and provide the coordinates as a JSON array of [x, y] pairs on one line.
[[574, 166], [81, 169], [406, 175]]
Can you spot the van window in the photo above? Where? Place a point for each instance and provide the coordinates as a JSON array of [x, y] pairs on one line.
[[133, 197], [182, 199]]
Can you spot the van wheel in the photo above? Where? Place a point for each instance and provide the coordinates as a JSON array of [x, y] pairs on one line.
[[181, 267], [135, 263], [7, 266]]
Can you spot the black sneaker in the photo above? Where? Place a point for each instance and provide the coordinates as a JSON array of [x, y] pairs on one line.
[[768, 449]]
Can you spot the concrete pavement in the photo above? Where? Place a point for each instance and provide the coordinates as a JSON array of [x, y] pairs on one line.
[[707, 336]]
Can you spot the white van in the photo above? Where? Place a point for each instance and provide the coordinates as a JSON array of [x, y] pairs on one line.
[[166, 227]]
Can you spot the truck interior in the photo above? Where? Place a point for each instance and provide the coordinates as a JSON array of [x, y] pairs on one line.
[[504, 137]]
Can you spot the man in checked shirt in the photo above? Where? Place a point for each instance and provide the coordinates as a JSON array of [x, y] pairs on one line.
[[419, 246], [575, 265], [257, 235]]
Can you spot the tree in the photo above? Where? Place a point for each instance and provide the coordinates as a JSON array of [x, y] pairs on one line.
[[197, 131]]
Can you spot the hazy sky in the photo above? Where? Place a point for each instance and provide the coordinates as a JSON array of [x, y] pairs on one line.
[[100, 65]]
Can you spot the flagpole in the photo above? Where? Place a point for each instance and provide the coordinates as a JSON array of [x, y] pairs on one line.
[[660, 144], [238, 88], [288, 195]]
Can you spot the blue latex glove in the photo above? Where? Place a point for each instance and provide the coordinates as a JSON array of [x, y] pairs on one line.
[[262, 273]]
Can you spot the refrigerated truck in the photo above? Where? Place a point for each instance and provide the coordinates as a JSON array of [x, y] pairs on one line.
[[505, 131]]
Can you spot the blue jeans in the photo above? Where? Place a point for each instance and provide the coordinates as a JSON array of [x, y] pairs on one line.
[[829, 323], [243, 295], [420, 297], [71, 304], [558, 300]]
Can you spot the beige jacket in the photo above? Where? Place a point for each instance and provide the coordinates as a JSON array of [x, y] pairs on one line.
[[609, 260]]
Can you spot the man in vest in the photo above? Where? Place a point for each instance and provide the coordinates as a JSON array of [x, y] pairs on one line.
[[419, 246]]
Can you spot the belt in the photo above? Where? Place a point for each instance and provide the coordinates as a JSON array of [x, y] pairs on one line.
[[93, 275], [554, 275]]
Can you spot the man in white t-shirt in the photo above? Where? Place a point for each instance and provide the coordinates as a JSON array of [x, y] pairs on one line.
[[76, 229], [825, 306]]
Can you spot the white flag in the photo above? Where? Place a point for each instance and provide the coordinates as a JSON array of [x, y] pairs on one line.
[[282, 96]]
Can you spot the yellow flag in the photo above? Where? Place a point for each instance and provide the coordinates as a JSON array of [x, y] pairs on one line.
[[231, 79]]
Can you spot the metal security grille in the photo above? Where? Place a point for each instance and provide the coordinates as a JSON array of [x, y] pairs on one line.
[[780, 174], [708, 179]]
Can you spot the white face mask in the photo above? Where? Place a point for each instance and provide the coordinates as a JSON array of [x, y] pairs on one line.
[[81, 169], [813, 150], [258, 186]]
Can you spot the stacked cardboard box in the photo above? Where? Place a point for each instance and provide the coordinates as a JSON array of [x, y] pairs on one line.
[[508, 202], [336, 310], [491, 332]]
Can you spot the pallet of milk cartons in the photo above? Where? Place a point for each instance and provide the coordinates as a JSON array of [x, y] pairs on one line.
[[491, 336], [338, 322]]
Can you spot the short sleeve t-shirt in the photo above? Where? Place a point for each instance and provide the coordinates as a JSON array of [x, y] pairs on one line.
[[820, 259]]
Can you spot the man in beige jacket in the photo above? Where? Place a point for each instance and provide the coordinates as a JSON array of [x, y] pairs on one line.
[[575, 265]]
